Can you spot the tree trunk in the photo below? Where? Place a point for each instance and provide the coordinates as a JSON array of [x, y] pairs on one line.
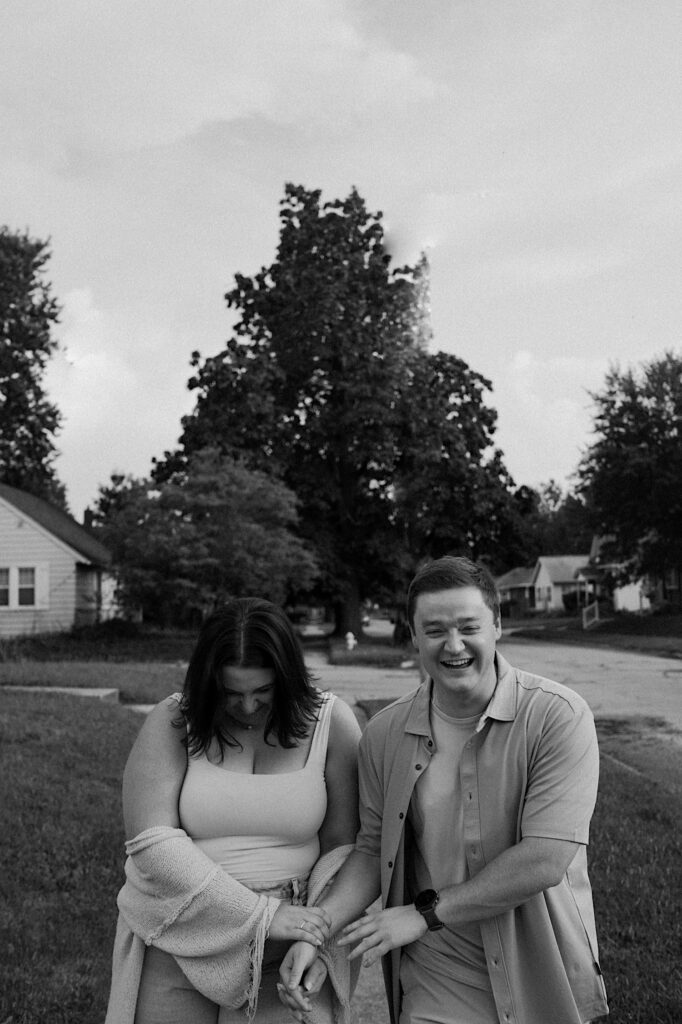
[[347, 612]]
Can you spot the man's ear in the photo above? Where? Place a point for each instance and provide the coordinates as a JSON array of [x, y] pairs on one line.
[[498, 628], [414, 641]]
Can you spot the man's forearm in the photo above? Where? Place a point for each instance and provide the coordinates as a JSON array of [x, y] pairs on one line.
[[512, 878], [355, 887]]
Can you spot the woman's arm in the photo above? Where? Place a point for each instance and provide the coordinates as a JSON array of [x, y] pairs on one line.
[[154, 772], [341, 822]]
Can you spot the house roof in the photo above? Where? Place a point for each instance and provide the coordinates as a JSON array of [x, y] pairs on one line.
[[60, 524], [519, 577], [562, 568]]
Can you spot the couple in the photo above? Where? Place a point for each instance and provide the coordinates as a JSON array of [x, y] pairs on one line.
[[248, 871]]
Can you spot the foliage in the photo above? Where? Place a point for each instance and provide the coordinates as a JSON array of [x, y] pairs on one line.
[[452, 490], [28, 421], [631, 475], [111, 640], [564, 523], [61, 844], [213, 529], [328, 384]]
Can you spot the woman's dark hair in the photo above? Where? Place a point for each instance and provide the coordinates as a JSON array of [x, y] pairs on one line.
[[448, 572], [247, 632]]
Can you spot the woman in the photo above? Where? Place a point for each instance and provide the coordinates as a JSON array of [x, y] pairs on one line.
[[234, 791]]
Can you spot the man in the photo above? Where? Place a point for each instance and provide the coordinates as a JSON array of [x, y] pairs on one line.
[[476, 794]]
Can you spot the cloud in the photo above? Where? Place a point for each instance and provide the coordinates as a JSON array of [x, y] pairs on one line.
[[545, 413], [119, 407], [133, 75]]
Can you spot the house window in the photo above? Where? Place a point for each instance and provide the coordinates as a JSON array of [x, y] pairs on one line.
[[27, 588], [24, 587]]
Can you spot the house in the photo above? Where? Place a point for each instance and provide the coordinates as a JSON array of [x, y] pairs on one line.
[[628, 597], [541, 588], [53, 573], [554, 576], [516, 590]]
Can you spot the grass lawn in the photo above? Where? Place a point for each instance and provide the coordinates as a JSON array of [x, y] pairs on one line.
[[61, 842]]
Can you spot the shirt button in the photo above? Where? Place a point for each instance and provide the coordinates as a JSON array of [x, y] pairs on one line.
[[470, 796], [390, 863], [430, 743], [418, 767], [496, 962], [401, 815], [474, 853]]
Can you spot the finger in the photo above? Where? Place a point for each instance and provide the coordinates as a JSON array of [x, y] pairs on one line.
[[362, 923], [314, 977], [354, 935], [363, 947], [309, 932], [320, 914], [295, 999]]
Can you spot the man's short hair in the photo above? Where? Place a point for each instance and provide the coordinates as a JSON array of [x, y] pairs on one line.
[[448, 572]]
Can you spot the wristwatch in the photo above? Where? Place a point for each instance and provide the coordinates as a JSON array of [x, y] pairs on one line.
[[425, 903]]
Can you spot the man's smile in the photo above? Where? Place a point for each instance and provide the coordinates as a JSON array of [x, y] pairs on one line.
[[456, 662]]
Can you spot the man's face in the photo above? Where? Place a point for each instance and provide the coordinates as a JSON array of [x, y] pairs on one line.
[[455, 633]]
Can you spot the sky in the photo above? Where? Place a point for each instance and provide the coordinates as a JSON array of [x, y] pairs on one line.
[[532, 149]]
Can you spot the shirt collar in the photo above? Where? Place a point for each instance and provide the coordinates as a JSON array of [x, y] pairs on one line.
[[501, 706]]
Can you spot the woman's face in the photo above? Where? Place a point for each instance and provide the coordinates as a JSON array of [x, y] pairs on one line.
[[248, 694]]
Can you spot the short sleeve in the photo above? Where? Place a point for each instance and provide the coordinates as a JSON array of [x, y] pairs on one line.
[[371, 800], [563, 775]]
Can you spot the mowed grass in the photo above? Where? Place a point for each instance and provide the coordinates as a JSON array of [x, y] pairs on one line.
[[61, 844]]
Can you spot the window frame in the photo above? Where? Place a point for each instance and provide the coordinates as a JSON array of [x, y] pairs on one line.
[[15, 585]]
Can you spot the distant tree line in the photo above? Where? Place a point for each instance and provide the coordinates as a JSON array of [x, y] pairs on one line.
[[331, 450]]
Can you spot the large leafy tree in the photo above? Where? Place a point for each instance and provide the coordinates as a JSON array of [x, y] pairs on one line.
[[28, 420], [214, 529], [453, 491], [631, 475], [327, 383]]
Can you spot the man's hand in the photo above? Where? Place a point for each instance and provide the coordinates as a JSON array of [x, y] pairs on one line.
[[380, 931], [303, 975]]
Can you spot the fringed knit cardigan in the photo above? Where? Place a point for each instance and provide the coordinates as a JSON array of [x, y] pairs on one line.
[[178, 899]]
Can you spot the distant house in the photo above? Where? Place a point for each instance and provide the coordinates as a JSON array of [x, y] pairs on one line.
[[554, 576], [541, 588], [629, 597], [53, 573], [516, 590]]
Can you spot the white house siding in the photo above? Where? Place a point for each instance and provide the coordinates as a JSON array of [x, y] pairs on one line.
[[24, 544], [547, 596], [630, 598]]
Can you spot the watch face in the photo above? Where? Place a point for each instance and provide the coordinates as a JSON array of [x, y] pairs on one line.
[[426, 899]]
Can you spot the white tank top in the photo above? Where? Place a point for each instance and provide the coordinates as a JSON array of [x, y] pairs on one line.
[[260, 828]]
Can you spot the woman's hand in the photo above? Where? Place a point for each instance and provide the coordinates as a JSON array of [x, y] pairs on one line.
[[382, 930], [291, 923], [303, 975]]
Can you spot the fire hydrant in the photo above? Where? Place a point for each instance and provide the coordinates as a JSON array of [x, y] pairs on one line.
[[351, 642]]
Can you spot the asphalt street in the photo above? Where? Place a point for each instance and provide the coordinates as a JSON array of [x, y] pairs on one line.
[[614, 683]]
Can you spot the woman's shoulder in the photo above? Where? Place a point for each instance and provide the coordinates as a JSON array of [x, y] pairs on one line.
[[165, 718], [343, 723]]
